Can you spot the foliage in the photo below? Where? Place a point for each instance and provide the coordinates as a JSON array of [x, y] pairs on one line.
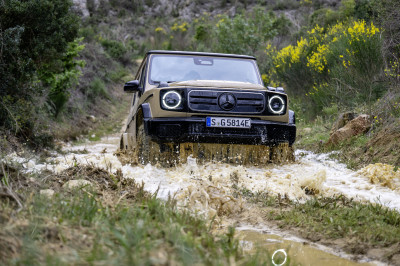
[[245, 34], [97, 88], [330, 64], [114, 48], [34, 37], [60, 83], [388, 16]]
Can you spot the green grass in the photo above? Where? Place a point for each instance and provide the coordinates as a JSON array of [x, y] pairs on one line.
[[352, 152], [312, 136], [98, 226], [342, 218], [372, 225]]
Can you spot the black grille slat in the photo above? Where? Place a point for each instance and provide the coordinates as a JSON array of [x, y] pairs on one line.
[[207, 100], [203, 100], [247, 102]]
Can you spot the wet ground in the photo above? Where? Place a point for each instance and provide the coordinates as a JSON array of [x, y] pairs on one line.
[[207, 190]]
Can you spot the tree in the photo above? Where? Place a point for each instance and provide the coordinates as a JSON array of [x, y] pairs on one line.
[[34, 38]]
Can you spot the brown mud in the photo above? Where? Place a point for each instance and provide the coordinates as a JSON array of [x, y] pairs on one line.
[[169, 154]]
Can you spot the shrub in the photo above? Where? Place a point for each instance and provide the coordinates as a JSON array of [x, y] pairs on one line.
[[337, 65], [61, 83], [34, 37], [114, 48], [97, 88], [245, 34]]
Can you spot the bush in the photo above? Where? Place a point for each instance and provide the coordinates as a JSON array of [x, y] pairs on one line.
[[97, 88], [340, 65], [34, 37], [114, 48], [61, 83], [245, 34]]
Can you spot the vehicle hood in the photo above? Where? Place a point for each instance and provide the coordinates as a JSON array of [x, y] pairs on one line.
[[217, 84]]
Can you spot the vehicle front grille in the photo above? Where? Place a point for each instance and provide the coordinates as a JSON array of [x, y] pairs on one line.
[[207, 101]]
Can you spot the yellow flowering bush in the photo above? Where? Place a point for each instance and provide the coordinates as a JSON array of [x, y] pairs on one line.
[[160, 30], [340, 63], [317, 61], [290, 54], [180, 27]]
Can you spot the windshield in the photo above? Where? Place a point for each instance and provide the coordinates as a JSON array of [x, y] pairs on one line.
[[171, 68]]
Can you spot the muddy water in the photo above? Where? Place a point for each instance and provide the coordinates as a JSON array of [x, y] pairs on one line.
[[297, 251], [207, 188]]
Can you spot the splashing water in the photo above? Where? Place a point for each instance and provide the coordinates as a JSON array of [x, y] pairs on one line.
[[207, 186]]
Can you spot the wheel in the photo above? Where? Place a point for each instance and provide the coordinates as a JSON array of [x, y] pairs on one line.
[[282, 153], [143, 145]]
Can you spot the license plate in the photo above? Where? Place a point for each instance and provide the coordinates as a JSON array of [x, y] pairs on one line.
[[228, 122]]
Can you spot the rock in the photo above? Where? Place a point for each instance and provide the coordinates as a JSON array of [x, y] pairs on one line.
[[357, 126], [47, 193], [307, 130], [342, 121], [81, 7], [92, 118], [77, 183]]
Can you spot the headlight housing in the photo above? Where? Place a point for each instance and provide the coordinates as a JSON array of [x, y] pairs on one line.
[[171, 100], [276, 104]]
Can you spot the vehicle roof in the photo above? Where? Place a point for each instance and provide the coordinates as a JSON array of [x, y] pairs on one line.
[[200, 54]]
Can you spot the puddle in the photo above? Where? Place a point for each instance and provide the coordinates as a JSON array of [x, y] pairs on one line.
[[298, 252]]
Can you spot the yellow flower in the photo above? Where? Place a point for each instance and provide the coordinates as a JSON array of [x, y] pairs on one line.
[[160, 29], [317, 61]]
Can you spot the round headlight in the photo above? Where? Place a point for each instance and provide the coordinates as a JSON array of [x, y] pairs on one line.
[[171, 100], [276, 104]]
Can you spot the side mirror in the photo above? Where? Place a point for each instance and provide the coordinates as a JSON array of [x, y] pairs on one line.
[[131, 86]]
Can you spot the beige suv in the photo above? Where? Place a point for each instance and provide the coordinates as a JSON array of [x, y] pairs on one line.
[[194, 97]]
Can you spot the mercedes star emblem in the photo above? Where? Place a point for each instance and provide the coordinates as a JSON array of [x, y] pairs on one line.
[[227, 101]]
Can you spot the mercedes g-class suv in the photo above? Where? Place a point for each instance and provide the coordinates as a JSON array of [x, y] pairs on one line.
[[198, 98]]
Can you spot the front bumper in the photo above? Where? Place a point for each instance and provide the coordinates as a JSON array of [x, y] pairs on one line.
[[194, 129]]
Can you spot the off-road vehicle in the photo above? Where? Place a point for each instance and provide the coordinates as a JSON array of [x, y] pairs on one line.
[[209, 105]]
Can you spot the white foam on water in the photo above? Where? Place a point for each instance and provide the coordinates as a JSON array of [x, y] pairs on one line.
[[207, 188], [313, 171]]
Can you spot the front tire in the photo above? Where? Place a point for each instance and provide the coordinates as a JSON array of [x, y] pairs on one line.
[[144, 145]]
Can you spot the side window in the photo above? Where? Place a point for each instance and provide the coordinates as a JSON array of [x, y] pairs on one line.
[[143, 78]]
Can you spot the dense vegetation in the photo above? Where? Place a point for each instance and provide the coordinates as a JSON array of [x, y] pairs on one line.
[[50, 77], [37, 60], [339, 58]]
